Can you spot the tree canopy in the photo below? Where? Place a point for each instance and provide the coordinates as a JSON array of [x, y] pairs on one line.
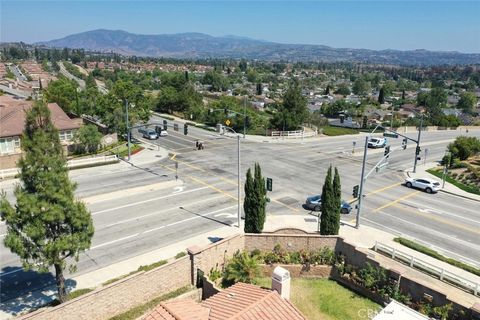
[[48, 225]]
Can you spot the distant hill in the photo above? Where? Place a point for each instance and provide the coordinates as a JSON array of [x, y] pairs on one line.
[[199, 45]]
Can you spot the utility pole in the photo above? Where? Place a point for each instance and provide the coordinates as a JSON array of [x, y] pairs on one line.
[[238, 173], [128, 130], [418, 145], [244, 116], [362, 180]]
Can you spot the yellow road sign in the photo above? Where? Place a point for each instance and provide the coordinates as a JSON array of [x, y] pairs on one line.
[[227, 122]]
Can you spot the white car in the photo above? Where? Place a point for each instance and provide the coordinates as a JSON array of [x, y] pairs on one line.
[[425, 184], [163, 133], [377, 142]]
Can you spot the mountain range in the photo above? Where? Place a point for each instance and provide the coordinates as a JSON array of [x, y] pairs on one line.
[[199, 45]]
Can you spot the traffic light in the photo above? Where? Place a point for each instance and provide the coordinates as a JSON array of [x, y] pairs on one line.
[[355, 191], [390, 134], [269, 184], [175, 127], [342, 118], [165, 124], [225, 111], [418, 150], [387, 151], [404, 143], [185, 129], [247, 121]]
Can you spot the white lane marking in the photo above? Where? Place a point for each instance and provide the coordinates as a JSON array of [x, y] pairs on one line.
[[114, 241], [439, 212], [468, 260], [146, 201], [178, 189], [214, 198], [440, 234], [226, 215], [10, 272]]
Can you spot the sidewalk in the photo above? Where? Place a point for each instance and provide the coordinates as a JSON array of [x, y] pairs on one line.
[[421, 172], [150, 154]]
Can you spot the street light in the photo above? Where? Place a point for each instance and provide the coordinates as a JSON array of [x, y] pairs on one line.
[[238, 174], [128, 130]]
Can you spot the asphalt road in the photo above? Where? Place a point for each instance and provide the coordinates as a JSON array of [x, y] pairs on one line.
[[139, 209]]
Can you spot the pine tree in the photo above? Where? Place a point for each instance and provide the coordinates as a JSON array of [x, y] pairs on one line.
[[337, 191], [47, 225], [260, 195], [249, 203]]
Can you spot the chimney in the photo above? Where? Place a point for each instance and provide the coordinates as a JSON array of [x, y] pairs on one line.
[[281, 282]]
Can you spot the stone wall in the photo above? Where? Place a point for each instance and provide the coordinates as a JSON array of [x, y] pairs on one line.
[[122, 295], [291, 242], [214, 256]]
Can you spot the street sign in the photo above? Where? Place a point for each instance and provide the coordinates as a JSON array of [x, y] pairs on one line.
[[390, 135], [175, 126], [227, 122]]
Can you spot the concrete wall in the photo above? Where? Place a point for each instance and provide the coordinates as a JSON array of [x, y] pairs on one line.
[[9, 161], [122, 295]]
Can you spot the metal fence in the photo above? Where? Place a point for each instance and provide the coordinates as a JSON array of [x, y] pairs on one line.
[[442, 274], [9, 173]]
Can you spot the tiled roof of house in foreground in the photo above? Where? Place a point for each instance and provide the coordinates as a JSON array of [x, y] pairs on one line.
[[239, 302]]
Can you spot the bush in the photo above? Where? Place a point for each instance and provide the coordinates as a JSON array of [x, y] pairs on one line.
[[464, 147], [373, 278], [242, 268], [214, 274], [180, 254]]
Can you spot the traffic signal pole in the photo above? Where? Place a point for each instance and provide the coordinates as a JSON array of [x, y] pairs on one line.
[[362, 180], [418, 145]]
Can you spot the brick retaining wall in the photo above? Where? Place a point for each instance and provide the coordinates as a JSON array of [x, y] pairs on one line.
[[122, 295]]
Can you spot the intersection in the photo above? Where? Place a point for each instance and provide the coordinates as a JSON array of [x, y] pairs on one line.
[[139, 208]]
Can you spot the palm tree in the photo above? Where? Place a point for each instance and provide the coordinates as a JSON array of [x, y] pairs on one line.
[[242, 268]]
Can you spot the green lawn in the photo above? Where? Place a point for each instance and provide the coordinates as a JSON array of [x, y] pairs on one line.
[[337, 131], [325, 299]]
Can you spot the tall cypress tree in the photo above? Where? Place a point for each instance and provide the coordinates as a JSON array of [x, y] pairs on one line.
[[249, 204], [48, 225], [260, 197], [381, 96], [327, 204], [337, 191]]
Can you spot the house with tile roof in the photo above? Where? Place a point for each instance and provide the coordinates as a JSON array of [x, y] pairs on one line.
[[12, 124], [240, 302]]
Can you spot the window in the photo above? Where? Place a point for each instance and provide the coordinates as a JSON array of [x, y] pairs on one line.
[[8, 145], [66, 135]]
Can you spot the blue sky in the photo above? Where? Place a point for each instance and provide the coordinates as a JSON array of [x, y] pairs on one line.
[[432, 25]]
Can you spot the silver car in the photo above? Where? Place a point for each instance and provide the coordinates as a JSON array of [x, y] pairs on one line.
[[428, 185]]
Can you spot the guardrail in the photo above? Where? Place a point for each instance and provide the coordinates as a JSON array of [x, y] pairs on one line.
[[8, 173], [442, 274], [294, 134]]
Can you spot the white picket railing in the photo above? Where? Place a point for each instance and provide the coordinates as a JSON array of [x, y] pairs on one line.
[[442, 274], [8, 173]]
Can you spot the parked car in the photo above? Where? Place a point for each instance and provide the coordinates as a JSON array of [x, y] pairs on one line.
[[315, 203], [377, 142], [428, 185]]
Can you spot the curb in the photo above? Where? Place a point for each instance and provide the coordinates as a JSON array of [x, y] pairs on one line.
[[459, 195]]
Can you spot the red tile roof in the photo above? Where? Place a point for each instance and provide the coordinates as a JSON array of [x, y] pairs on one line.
[[247, 302], [12, 116], [239, 302]]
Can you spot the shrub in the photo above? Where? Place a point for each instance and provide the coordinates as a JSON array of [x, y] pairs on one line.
[[242, 268], [180, 254], [372, 277], [214, 274]]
